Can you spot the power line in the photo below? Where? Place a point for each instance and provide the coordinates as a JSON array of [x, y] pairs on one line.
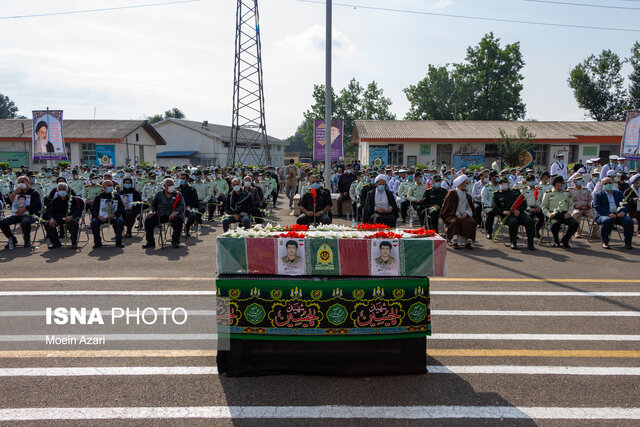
[[106, 9], [562, 3], [476, 18]]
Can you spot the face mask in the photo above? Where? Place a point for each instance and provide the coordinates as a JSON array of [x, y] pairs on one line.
[[109, 190], [410, 177], [373, 180], [437, 184], [564, 186], [120, 174], [608, 187], [197, 178], [127, 185], [448, 176], [561, 162], [349, 171], [22, 186], [62, 193], [580, 182], [181, 182], [32, 180], [237, 188], [504, 187], [247, 183], [381, 187], [94, 181], [532, 183], [171, 188], [596, 178], [315, 185]]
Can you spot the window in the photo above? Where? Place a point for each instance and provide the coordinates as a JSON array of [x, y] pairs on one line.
[[137, 137], [445, 152], [541, 155], [88, 154], [491, 151], [573, 153], [396, 154], [140, 152], [67, 147]]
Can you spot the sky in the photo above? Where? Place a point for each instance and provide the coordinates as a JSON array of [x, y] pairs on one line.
[[136, 62]]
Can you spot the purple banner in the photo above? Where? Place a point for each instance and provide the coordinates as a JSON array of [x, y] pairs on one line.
[[319, 138], [48, 139]]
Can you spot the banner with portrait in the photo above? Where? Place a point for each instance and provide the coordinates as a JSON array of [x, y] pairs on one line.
[[630, 147], [291, 257], [19, 202], [47, 135], [385, 257], [320, 137], [107, 207]]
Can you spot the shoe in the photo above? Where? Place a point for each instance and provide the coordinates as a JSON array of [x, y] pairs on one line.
[[149, 245], [120, 245], [15, 242], [455, 245], [488, 236], [187, 234], [628, 247], [97, 245], [531, 247], [468, 246], [54, 246], [513, 246], [556, 244], [27, 243], [175, 245], [74, 246], [566, 245], [606, 246], [128, 235]]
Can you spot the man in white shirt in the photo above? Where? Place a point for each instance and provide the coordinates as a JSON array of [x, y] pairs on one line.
[[558, 168]]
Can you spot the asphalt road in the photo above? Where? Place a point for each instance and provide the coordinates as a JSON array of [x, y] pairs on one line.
[[550, 337]]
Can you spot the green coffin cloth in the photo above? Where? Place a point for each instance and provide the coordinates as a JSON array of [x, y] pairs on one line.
[[232, 256], [418, 259], [323, 257]]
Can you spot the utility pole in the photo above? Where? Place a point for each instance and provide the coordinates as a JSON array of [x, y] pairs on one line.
[[327, 101]]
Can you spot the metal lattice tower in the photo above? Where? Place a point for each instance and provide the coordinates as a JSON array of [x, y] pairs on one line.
[[248, 143]]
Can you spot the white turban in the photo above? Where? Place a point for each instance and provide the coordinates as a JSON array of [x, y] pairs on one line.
[[611, 173], [634, 178], [460, 180], [381, 176]]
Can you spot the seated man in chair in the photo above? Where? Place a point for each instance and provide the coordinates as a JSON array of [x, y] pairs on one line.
[[107, 207], [457, 214], [25, 205], [611, 209], [167, 206], [238, 205], [65, 210], [318, 207], [380, 206]]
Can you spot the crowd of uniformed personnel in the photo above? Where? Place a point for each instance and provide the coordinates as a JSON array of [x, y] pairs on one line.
[[61, 198]]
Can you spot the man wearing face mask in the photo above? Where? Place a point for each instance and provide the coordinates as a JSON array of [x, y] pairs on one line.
[[556, 205], [487, 202], [611, 210], [113, 214], [131, 209], [168, 206], [447, 180], [611, 166], [256, 196], [65, 210], [20, 215], [238, 206], [433, 200], [457, 214], [503, 201], [318, 208], [291, 179], [476, 194], [344, 184], [76, 183], [190, 197], [595, 179], [534, 200], [380, 205], [416, 196], [558, 168], [632, 194], [203, 189], [91, 190], [581, 201]]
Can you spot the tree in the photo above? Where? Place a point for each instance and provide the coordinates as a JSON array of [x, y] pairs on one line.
[[598, 86], [515, 149], [634, 77], [353, 103], [487, 86], [8, 109], [296, 142], [173, 113]]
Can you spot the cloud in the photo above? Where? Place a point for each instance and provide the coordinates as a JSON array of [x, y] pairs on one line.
[[311, 42]]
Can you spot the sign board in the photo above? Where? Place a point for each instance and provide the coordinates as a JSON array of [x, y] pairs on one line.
[[464, 161], [106, 154], [319, 138], [630, 147], [15, 158], [425, 149], [590, 151], [47, 136], [378, 156]]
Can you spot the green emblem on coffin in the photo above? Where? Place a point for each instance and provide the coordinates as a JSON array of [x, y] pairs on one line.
[[254, 313], [417, 312], [337, 314]]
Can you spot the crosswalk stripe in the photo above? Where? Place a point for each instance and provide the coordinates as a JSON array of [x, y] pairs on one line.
[[115, 337], [540, 293], [536, 337], [69, 354], [320, 412], [213, 370], [535, 313], [496, 352], [104, 293]]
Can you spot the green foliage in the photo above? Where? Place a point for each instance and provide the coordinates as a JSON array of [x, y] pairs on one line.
[[64, 164], [297, 143], [485, 87], [173, 113], [8, 109], [4, 165], [420, 166], [353, 103], [474, 167], [513, 146], [598, 86], [144, 164], [634, 77]]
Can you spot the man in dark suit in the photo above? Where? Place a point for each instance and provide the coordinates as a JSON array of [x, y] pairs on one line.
[[380, 206], [609, 211]]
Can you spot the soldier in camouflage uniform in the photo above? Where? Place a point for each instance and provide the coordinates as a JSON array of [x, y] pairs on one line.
[[503, 202], [557, 205]]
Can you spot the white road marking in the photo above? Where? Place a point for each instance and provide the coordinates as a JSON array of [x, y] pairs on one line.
[[107, 279], [320, 412], [113, 337], [103, 312], [540, 293], [533, 313], [213, 370], [104, 293], [535, 337]]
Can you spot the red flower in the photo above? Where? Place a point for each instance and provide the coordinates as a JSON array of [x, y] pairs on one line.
[[421, 232], [292, 235], [297, 227], [535, 193], [372, 227], [518, 202], [314, 194], [385, 235]]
